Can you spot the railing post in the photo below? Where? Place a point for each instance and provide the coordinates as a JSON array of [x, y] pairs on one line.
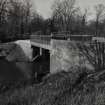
[[40, 51]]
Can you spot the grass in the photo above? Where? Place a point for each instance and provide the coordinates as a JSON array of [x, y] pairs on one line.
[[60, 89]]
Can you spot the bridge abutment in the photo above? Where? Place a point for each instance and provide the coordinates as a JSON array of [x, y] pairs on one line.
[[68, 56]]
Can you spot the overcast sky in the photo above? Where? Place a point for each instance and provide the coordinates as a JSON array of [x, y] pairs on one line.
[[44, 6]]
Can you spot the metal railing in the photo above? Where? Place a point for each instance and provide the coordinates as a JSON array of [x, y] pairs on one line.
[[44, 39]]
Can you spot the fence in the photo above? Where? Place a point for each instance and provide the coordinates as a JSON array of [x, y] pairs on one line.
[[44, 39]]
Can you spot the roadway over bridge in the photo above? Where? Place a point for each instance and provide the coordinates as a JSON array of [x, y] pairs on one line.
[[44, 41]]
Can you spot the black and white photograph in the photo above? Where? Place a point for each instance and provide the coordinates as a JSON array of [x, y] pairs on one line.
[[52, 52]]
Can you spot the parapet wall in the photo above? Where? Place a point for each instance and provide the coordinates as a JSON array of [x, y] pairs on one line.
[[66, 55]]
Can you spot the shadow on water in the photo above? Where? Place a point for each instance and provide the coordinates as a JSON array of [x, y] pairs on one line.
[[10, 75], [40, 68]]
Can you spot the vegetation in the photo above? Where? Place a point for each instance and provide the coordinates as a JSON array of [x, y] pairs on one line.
[[80, 88], [18, 19], [61, 88], [69, 17]]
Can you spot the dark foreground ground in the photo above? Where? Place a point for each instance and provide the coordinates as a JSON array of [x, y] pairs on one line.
[[74, 88]]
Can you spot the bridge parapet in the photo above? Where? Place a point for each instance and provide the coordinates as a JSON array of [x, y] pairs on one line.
[[43, 39], [46, 39]]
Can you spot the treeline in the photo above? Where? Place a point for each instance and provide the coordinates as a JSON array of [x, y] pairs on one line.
[[67, 16], [18, 18]]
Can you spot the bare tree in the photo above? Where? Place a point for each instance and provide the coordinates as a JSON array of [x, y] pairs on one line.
[[95, 54], [38, 24], [19, 17], [84, 17], [100, 13], [28, 14], [3, 4], [63, 13], [3, 14]]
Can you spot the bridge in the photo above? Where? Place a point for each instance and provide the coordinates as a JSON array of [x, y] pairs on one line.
[[61, 51]]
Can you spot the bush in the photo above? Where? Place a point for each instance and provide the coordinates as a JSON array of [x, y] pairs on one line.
[[60, 89]]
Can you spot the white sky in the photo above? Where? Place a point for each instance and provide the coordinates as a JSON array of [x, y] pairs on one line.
[[44, 6]]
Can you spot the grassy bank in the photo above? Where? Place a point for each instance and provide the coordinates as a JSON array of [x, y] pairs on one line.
[[60, 89]]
